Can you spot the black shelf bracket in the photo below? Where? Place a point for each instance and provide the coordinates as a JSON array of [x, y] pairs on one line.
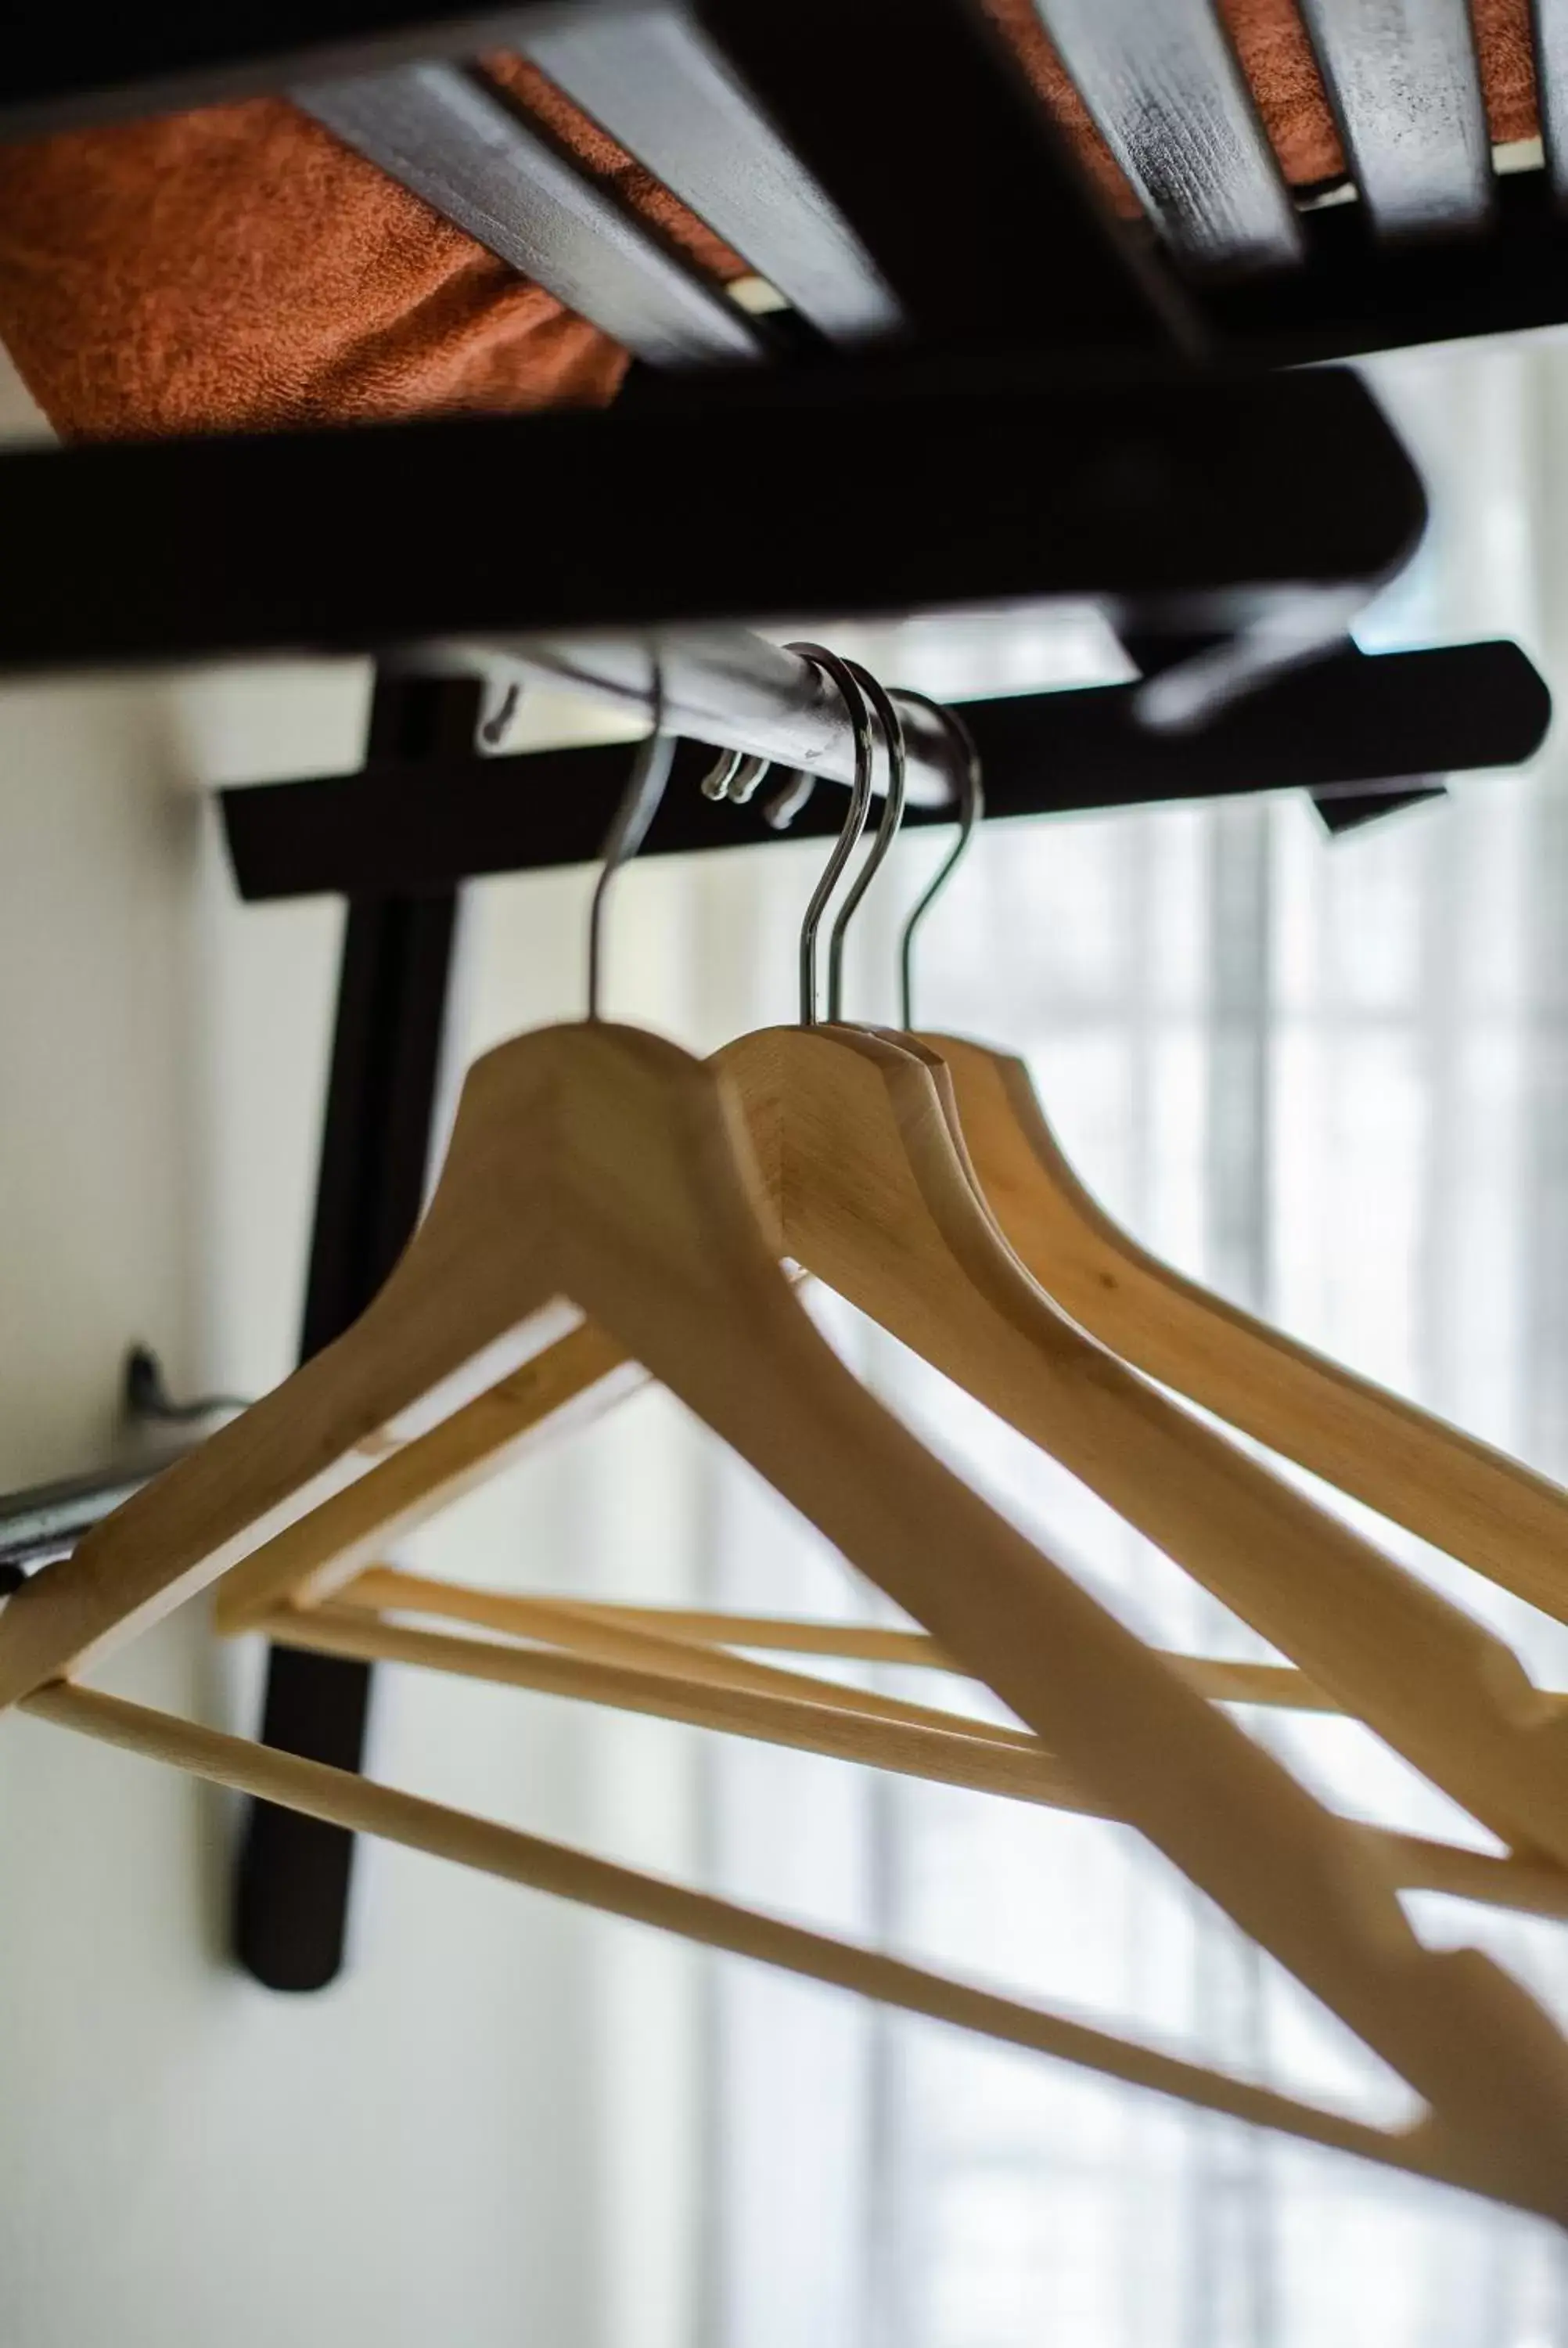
[[293, 1885]]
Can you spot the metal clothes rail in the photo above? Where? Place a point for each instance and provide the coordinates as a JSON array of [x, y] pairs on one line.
[[1361, 733]]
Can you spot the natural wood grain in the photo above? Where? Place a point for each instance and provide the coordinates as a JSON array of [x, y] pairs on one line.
[[567, 1620], [365, 1808], [1456, 1493], [946, 1748], [857, 1142], [600, 1170]]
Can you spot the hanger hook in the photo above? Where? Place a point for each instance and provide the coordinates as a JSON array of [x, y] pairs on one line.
[[715, 783], [886, 831], [840, 675], [971, 808], [629, 825]]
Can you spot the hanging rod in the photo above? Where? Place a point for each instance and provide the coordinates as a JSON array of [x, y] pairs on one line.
[[733, 689], [1362, 732], [44, 1521]]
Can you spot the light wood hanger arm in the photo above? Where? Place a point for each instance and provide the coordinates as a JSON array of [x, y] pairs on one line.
[[854, 1139], [1465, 1498], [811, 1717], [642, 1646], [565, 1620], [567, 1384]]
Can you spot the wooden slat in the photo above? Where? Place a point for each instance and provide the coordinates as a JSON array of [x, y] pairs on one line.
[[1402, 77], [918, 124], [454, 139], [1548, 23], [1173, 107], [642, 1641], [658, 85]]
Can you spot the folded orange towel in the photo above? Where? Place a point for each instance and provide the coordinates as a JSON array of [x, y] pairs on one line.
[[236, 268]]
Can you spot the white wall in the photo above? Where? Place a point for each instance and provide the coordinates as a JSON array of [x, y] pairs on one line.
[[483, 2132]]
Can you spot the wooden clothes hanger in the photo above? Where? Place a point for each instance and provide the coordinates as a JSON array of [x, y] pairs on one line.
[[911, 1244], [865, 1165], [1462, 1496], [600, 1169], [602, 1165], [856, 1140], [854, 1137], [1495, 1704]]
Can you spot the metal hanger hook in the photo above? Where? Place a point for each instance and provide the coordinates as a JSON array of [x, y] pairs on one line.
[[715, 783], [971, 808], [886, 831], [735, 775], [841, 676], [628, 826]]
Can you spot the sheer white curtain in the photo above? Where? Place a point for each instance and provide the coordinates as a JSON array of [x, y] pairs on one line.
[[1332, 1081]]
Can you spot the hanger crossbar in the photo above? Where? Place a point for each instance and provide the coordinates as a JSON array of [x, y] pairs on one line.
[[833, 1721], [365, 1807], [567, 1621]]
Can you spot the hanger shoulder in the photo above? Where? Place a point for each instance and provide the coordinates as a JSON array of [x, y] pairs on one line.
[[475, 1293], [1459, 1494], [565, 1386], [580, 1144], [875, 1198]]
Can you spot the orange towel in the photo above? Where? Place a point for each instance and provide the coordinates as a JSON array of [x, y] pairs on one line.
[[236, 268]]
